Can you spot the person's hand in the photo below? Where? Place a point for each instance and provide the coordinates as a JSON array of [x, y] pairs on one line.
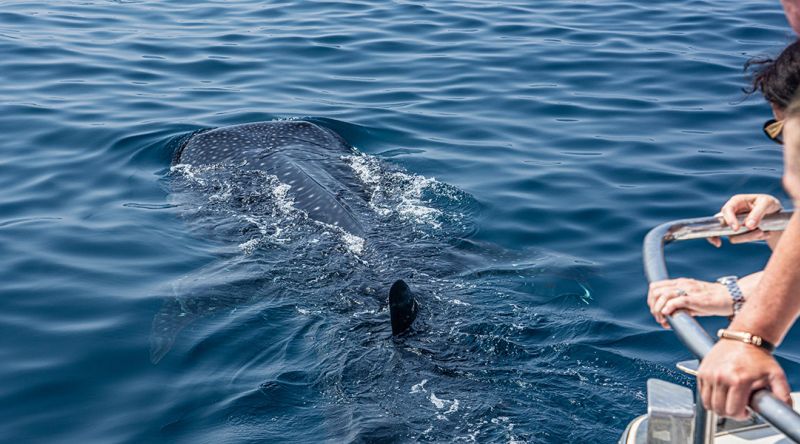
[[698, 298], [756, 206], [730, 373]]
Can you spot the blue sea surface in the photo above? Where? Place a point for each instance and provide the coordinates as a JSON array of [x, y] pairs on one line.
[[517, 152]]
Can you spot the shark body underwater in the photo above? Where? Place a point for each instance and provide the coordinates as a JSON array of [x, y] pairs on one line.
[[308, 158]]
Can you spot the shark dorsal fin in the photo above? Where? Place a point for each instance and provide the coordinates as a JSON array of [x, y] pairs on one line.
[[402, 306]]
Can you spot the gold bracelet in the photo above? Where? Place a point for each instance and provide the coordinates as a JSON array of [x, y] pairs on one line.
[[747, 338]]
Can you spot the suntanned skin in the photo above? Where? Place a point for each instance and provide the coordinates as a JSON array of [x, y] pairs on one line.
[[732, 370], [700, 298], [792, 9]]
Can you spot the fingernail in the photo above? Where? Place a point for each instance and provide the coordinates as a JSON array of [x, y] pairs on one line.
[[750, 223]]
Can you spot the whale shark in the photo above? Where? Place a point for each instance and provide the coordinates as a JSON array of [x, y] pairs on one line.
[[289, 304], [303, 155], [303, 160]]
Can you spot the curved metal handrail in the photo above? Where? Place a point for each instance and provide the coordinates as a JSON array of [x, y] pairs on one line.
[[689, 331]]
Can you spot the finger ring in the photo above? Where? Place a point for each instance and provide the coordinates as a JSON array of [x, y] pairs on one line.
[[682, 292]]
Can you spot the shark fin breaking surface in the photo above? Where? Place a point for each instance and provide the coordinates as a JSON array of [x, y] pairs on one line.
[[402, 306]]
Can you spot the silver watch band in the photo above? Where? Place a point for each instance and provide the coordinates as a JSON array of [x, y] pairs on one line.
[[732, 284]]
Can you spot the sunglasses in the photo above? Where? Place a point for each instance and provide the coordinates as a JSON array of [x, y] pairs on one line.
[[774, 130]]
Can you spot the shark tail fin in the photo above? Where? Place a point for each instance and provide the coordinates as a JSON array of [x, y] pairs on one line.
[[167, 323], [402, 306]]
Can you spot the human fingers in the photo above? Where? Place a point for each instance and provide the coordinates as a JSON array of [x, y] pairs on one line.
[[675, 304], [761, 206], [719, 397], [664, 296], [738, 396], [715, 241], [671, 284], [667, 283], [658, 303], [653, 292], [729, 214], [780, 387], [737, 204], [750, 236], [705, 390], [652, 297]]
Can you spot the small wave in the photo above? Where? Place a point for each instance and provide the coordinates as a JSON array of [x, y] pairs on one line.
[[256, 198], [417, 388], [396, 191], [265, 207]]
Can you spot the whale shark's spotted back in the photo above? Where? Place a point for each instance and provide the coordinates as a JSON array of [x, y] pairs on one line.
[[302, 155], [235, 170]]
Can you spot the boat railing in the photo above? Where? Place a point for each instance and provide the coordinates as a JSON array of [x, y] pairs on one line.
[[694, 336]]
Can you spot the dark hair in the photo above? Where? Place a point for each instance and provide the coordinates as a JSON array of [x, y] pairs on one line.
[[777, 79]]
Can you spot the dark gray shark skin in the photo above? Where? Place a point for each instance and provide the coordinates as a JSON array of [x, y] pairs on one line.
[[306, 157], [301, 154]]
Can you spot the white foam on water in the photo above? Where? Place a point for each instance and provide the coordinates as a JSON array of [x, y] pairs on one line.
[[224, 193], [412, 206], [275, 192], [273, 228], [189, 172], [392, 193], [439, 403], [396, 192], [353, 243], [453, 407], [442, 403], [280, 193], [286, 205], [261, 227], [418, 388], [509, 427], [250, 246]]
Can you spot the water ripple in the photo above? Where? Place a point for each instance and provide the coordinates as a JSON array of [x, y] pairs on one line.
[[566, 129]]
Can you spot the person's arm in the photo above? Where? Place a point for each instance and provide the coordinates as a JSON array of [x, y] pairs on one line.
[[733, 370], [774, 305], [698, 298], [749, 283], [772, 238]]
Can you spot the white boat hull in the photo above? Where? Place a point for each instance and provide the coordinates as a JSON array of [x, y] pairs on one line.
[[729, 432]]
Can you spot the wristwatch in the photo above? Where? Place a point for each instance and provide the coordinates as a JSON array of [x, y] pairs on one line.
[[747, 338], [732, 284]]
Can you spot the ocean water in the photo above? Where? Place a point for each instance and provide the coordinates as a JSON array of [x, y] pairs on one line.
[[515, 154]]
